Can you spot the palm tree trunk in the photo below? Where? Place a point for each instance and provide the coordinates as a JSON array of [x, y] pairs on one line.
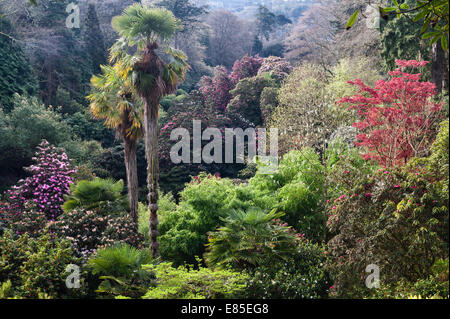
[[130, 147], [151, 153]]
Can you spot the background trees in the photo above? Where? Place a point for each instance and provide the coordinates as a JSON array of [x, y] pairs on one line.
[[229, 38], [16, 74]]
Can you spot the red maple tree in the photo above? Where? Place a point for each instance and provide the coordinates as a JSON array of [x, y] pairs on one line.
[[397, 115]]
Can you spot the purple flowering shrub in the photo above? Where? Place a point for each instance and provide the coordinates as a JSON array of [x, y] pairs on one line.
[[247, 67], [216, 89], [50, 180]]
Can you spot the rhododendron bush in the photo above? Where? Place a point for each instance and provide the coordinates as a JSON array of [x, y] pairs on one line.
[[398, 115], [247, 67], [216, 90], [50, 180]]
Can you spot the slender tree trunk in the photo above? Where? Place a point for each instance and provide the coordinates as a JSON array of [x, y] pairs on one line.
[[151, 153], [130, 147], [438, 66]]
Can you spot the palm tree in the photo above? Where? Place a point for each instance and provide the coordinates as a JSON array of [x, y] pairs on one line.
[[143, 31], [247, 237], [113, 101]]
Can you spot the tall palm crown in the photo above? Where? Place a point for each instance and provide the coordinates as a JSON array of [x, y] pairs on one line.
[[143, 30], [113, 101], [147, 29]]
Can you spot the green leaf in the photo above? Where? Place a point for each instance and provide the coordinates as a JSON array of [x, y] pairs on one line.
[[444, 42], [389, 9], [420, 15], [435, 39], [404, 6], [425, 26], [352, 20], [430, 34]]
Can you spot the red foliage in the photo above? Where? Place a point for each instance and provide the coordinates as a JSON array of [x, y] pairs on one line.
[[397, 116]]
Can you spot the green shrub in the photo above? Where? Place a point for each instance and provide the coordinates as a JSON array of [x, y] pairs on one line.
[[296, 190], [120, 269], [301, 275], [396, 219], [37, 267], [184, 231], [188, 283], [247, 238]]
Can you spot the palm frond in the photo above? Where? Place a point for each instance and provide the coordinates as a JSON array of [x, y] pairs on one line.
[[139, 23]]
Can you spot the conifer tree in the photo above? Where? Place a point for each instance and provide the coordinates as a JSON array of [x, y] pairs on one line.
[[93, 39], [16, 74]]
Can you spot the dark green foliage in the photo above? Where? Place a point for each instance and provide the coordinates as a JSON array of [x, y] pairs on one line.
[[16, 74], [22, 130], [247, 97], [102, 195], [55, 51], [120, 269], [65, 104], [110, 162], [435, 286], [301, 275], [37, 267], [276, 49], [257, 46], [87, 128], [401, 40], [247, 238], [93, 39]]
